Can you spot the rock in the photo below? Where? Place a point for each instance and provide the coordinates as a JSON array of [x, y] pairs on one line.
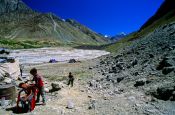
[[55, 87], [118, 56], [102, 62], [172, 98], [164, 63], [94, 84], [107, 78], [92, 104], [120, 79], [173, 46], [90, 84], [152, 111], [89, 96], [118, 91], [164, 92], [134, 62], [140, 82], [136, 74], [103, 73], [72, 61], [70, 104], [132, 98], [8, 80], [167, 70]]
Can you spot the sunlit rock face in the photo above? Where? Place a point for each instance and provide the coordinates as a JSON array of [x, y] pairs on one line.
[[7, 6]]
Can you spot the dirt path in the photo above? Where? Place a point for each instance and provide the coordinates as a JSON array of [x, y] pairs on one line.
[[78, 94], [57, 102]]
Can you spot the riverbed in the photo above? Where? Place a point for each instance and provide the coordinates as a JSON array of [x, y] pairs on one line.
[[62, 55]]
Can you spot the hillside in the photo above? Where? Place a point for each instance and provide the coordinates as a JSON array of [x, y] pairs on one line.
[[163, 16], [142, 67], [23, 27], [164, 13]]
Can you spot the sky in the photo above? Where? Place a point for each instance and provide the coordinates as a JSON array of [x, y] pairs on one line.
[[109, 17]]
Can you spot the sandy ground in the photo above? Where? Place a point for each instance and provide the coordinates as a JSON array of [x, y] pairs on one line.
[[57, 101]]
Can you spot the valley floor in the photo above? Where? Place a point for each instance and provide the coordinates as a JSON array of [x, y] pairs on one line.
[[89, 97]]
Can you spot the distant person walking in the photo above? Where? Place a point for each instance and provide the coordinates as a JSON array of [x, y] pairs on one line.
[[70, 79], [21, 69], [39, 84]]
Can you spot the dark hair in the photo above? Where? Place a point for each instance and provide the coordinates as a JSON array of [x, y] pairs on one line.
[[33, 70], [20, 85], [70, 73]]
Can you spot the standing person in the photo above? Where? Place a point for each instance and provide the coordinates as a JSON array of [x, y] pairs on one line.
[[70, 79], [21, 69], [39, 84]]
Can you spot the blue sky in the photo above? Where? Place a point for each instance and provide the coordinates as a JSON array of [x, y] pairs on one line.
[[108, 17]]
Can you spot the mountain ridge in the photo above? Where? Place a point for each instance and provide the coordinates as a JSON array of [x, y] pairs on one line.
[[19, 22]]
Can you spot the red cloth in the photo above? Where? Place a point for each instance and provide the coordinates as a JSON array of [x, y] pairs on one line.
[[32, 102], [38, 81], [35, 91]]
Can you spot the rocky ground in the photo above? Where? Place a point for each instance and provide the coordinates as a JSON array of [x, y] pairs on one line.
[[143, 73]]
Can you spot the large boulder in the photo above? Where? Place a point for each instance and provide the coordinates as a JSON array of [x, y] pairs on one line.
[[119, 79], [140, 82], [165, 93], [72, 61], [55, 87], [166, 62], [167, 70], [134, 62]]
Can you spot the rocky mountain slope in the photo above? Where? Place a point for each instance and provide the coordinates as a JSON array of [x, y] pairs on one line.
[[143, 72], [19, 22], [164, 13], [143, 69], [163, 16]]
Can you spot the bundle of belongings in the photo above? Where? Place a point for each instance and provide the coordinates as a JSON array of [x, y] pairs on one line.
[[9, 67], [9, 73]]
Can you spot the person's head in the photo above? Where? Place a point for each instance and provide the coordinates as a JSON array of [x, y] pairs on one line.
[[70, 73], [33, 71], [23, 85]]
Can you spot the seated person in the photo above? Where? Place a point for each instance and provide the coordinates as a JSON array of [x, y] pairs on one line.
[[26, 99]]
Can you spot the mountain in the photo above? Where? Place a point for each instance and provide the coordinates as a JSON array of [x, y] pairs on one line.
[[20, 25], [118, 37], [163, 16], [164, 13], [142, 65]]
